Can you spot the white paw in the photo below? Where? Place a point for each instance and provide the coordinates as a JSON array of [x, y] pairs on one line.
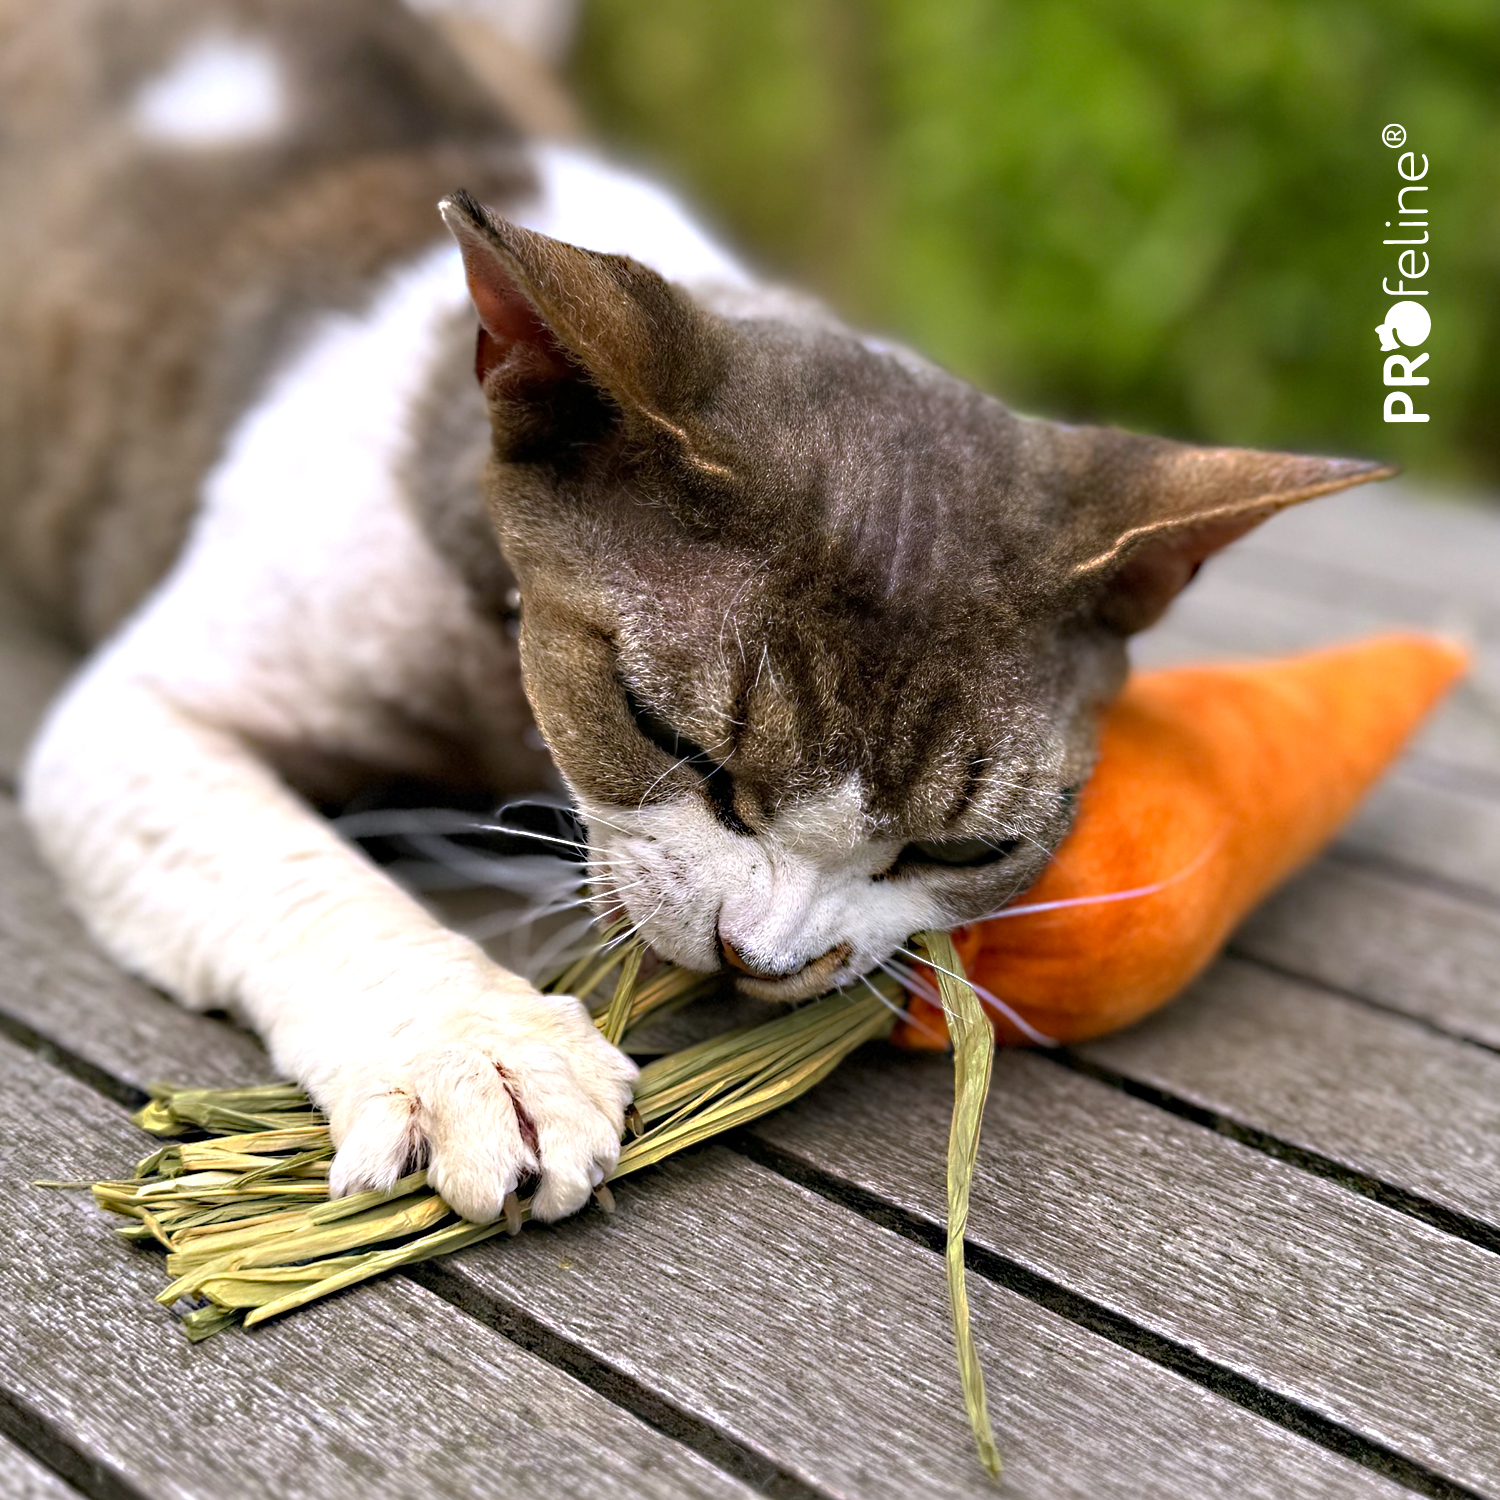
[[486, 1094]]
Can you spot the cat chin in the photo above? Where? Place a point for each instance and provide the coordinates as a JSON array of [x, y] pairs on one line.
[[795, 987]]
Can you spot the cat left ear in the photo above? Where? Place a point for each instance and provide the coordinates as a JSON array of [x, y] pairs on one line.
[[1140, 515], [554, 316]]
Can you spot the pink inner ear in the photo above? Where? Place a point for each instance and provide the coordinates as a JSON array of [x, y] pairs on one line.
[[510, 325], [1162, 567]]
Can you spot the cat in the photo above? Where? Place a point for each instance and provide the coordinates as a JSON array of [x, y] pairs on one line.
[[815, 634]]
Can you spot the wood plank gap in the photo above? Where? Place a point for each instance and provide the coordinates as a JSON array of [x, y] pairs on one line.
[[446, 1280], [1313, 982], [1110, 1325], [1447, 1220], [72, 1064], [36, 1435]]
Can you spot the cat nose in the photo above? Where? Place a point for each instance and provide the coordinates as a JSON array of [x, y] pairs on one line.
[[828, 961]]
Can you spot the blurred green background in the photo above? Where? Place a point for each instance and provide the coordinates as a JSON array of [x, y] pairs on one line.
[[1164, 215]]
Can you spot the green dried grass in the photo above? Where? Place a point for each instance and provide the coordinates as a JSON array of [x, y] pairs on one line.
[[238, 1197]]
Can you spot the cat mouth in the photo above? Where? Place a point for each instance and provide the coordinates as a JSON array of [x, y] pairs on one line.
[[812, 978]]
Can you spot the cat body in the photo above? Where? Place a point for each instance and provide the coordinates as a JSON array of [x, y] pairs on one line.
[[815, 635]]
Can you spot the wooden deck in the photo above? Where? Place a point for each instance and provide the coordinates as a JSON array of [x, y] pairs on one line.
[[1251, 1248]]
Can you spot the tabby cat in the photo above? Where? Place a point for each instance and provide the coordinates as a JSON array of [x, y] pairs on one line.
[[815, 634]]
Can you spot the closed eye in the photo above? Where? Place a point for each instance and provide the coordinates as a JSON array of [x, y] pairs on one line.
[[718, 784], [958, 853]]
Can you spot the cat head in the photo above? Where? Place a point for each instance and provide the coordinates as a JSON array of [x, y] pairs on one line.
[[817, 634]]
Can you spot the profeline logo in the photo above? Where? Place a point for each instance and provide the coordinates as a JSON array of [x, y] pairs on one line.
[[1407, 323]]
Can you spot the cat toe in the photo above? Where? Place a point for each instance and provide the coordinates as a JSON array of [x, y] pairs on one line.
[[481, 1141], [380, 1140]]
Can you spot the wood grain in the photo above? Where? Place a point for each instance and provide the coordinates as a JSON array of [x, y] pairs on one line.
[[1438, 829], [1391, 535], [816, 1337], [54, 983], [23, 1478], [1425, 953], [1367, 1316], [695, 1281], [385, 1392], [1372, 1091]]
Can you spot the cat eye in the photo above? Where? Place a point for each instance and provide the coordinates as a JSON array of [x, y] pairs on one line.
[[958, 853], [718, 784], [661, 734]]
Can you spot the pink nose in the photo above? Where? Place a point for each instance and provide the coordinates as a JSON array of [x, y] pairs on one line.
[[828, 961]]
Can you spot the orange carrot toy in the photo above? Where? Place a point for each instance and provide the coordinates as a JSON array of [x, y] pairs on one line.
[[1213, 784]]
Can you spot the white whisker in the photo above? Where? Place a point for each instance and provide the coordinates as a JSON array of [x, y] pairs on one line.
[[905, 1015], [909, 979], [1135, 892], [1019, 1022]]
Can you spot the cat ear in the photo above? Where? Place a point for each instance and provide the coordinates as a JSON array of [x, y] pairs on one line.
[[560, 326], [1140, 515]]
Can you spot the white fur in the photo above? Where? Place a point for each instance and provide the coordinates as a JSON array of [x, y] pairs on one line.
[[221, 91], [588, 202]]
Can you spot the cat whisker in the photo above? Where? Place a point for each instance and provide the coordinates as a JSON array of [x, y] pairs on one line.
[[624, 937], [382, 822], [497, 924], [543, 959], [905, 1015], [1019, 1022], [909, 979], [598, 817], [1132, 894], [515, 872], [545, 838], [641, 805]]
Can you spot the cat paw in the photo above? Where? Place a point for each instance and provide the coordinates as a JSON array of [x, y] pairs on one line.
[[486, 1095]]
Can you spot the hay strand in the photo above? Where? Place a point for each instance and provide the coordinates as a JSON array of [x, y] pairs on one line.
[[238, 1193], [973, 1056]]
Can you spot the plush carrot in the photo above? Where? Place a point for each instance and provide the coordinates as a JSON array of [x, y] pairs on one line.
[[1213, 784]]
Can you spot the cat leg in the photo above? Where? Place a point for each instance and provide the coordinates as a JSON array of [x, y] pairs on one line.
[[195, 866]]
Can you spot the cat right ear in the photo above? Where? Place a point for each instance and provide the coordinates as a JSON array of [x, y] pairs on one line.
[[570, 336], [1134, 517]]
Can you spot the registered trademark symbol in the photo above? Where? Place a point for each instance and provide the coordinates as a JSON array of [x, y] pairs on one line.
[[1394, 135]]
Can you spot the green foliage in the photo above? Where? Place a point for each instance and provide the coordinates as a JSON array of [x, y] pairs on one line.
[[1142, 211]]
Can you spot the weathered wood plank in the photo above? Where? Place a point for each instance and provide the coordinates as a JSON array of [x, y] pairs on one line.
[[1443, 830], [385, 1392], [1356, 1311], [1423, 952], [656, 1257], [23, 1478], [1394, 536], [1372, 1091], [54, 983], [818, 1338]]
